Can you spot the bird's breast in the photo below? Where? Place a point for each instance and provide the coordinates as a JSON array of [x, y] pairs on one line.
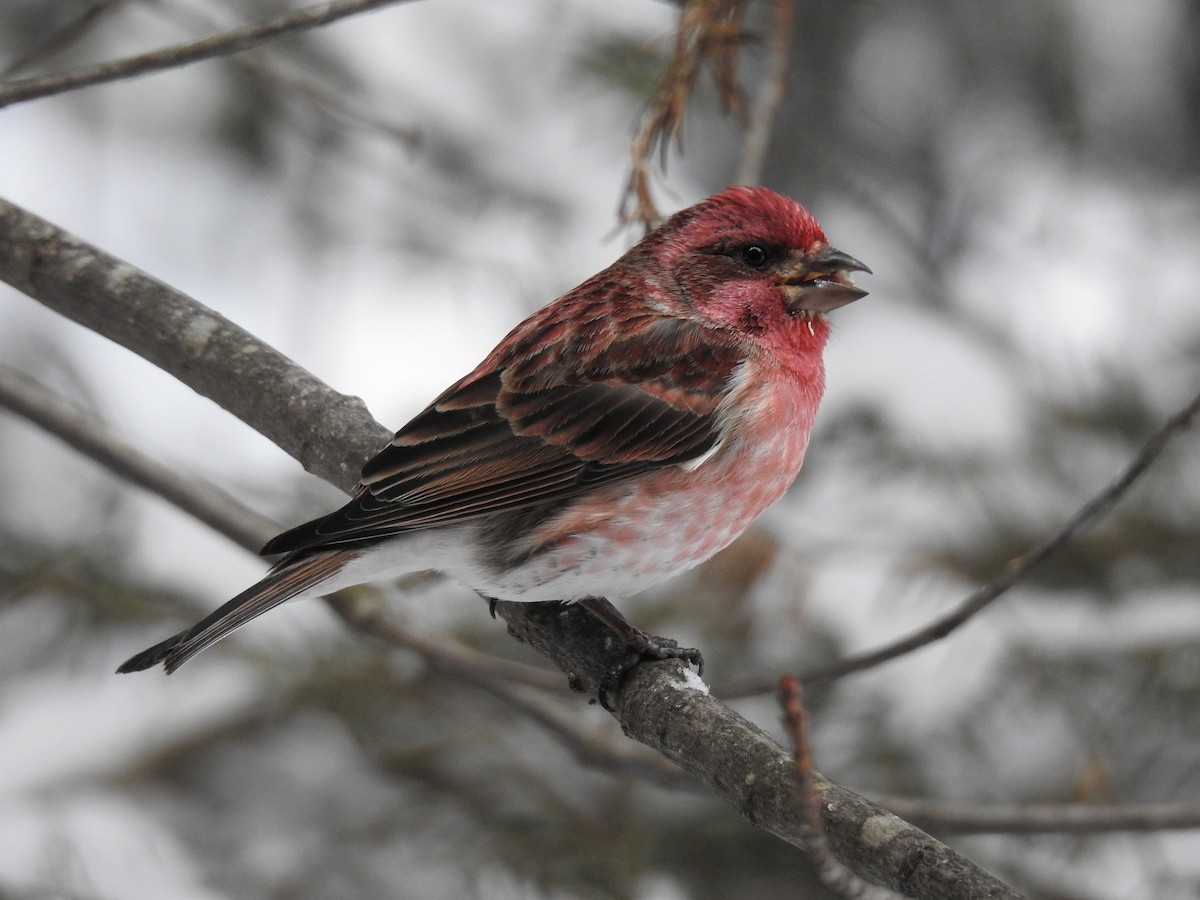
[[625, 537]]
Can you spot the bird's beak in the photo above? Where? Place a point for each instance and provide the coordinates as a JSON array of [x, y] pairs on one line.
[[817, 282]]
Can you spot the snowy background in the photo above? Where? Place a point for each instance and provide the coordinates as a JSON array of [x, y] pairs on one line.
[[381, 200]]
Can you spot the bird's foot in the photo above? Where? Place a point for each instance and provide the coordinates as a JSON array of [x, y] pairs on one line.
[[640, 646], [644, 647], [651, 646]]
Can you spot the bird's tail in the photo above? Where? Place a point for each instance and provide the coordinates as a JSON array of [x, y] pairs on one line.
[[289, 577]]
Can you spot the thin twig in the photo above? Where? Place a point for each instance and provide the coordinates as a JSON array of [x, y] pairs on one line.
[[228, 516], [178, 55], [1087, 516], [830, 870], [197, 497], [709, 34], [524, 688], [770, 95]]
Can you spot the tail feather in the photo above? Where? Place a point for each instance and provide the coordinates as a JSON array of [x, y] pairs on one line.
[[287, 579]]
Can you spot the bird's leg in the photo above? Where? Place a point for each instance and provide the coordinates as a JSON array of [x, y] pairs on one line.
[[641, 644]]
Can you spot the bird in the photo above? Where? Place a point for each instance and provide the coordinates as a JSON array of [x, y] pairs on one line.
[[618, 436]]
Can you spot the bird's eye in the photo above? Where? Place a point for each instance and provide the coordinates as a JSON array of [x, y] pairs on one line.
[[754, 255]]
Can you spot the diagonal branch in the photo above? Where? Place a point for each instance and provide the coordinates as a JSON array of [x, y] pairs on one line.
[[330, 434], [521, 687], [64, 37], [203, 501], [1084, 518], [224, 44], [830, 870], [658, 704], [709, 35], [976, 602]]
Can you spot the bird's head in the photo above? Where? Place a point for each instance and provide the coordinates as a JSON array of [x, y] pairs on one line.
[[756, 262]]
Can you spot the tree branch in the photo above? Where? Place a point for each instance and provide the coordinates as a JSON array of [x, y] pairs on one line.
[[60, 40], [1084, 518], [980, 599], [521, 687], [830, 870], [198, 498], [20, 90], [330, 434], [669, 709], [770, 95], [659, 704]]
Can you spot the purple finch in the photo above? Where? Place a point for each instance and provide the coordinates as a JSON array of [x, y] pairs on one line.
[[617, 437]]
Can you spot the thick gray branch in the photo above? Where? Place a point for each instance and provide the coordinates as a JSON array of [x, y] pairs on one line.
[[332, 435]]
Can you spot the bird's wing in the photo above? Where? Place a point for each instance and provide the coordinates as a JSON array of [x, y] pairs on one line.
[[541, 427]]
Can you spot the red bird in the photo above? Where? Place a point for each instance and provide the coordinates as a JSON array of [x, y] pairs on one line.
[[617, 437]]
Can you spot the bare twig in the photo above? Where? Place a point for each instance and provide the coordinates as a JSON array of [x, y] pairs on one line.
[[1087, 516], [656, 705], [228, 516], [195, 496], [770, 95], [710, 34], [332, 437], [1066, 818], [222, 44], [521, 687], [831, 872]]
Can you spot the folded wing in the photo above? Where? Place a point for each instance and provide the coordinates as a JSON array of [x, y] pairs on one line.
[[541, 426]]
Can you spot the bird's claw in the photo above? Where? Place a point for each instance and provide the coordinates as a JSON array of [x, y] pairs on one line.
[[641, 647], [654, 647]]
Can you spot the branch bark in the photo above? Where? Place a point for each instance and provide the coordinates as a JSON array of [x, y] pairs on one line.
[[659, 704], [328, 433], [534, 692], [203, 501]]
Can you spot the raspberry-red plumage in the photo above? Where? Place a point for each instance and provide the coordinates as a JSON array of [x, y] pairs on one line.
[[626, 431]]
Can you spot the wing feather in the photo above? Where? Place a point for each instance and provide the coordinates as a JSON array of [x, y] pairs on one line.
[[541, 426]]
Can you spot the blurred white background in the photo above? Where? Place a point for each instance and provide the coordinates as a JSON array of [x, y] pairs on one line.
[[382, 200]]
